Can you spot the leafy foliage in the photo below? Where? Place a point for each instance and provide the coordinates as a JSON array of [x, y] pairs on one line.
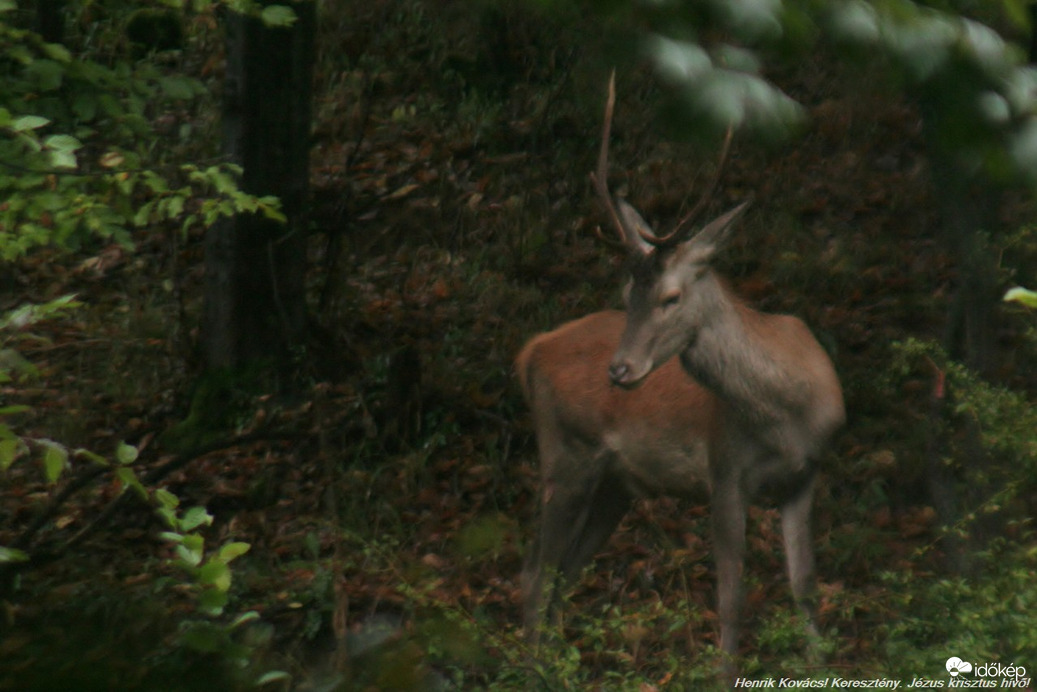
[[82, 161], [77, 160], [53, 456], [990, 619], [975, 86], [209, 574], [1005, 420]]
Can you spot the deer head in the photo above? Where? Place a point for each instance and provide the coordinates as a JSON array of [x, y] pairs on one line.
[[670, 298], [672, 285]]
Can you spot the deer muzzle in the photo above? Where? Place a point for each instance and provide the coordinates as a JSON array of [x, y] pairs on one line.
[[622, 374]]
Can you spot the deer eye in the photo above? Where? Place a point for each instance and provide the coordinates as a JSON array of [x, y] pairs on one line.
[[668, 300]]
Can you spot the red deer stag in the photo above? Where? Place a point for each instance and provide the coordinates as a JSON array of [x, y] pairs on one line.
[[743, 412]]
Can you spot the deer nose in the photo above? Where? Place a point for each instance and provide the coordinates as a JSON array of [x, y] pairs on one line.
[[618, 372]]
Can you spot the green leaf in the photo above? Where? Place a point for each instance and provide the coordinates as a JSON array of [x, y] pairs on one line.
[[12, 555], [233, 550], [166, 498], [855, 21], [96, 458], [212, 601], [126, 454], [55, 459], [273, 676], [31, 313], [174, 207], [18, 408], [195, 517], [191, 549], [20, 54], [752, 21], [167, 514], [194, 542], [62, 143], [129, 480], [62, 159], [158, 184], [1022, 296], [204, 637], [189, 557], [271, 207], [679, 60], [47, 74], [244, 618], [56, 51], [180, 88], [278, 15], [58, 304], [220, 179], [10, 450], [143, 215], [171, 536], [216, 574], [11, 360], [28, 122], [84, 105]]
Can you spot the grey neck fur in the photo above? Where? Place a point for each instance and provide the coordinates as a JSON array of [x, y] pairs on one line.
[[731, 359]]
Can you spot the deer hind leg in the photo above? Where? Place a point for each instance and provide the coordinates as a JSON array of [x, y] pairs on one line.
[[576, 520], [799, 553], [609, 502]]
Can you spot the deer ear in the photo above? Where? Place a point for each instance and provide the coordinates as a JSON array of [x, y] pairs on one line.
[[704, 244], [633, 223]]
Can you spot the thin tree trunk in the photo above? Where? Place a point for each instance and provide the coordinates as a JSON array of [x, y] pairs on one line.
[[50, 20], [255, 267]]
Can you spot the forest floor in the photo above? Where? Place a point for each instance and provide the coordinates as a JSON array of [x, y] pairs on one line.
[[389, 506]]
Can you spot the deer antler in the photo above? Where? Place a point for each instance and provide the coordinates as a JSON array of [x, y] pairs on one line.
[[600, 176], [678, 232]]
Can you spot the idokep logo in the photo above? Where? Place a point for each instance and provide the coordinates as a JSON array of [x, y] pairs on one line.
[[956, 666]]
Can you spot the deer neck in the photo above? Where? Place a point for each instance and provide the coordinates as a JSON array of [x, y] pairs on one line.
[[731, 357]]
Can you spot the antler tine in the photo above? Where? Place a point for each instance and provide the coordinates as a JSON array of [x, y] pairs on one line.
[[677, 234], [600, 176]]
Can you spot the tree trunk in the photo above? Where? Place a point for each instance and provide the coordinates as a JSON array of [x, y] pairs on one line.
[[255, 267], [967, 204]]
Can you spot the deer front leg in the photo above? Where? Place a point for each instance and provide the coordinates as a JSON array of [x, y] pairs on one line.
[[728, 515]]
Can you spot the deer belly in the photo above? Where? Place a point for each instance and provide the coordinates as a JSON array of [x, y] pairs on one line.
[[652, 467]]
